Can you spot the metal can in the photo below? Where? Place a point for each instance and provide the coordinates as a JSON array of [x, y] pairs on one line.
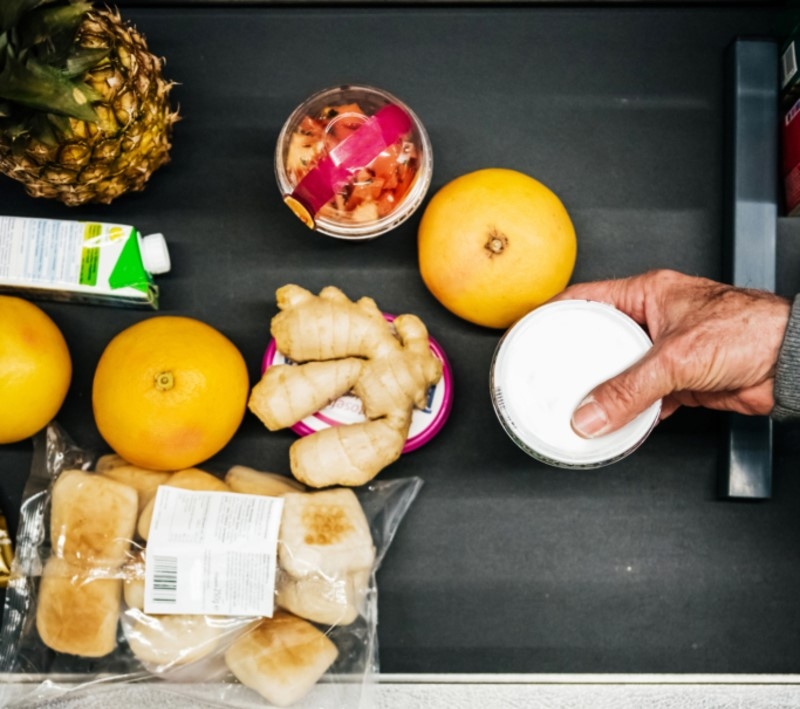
[[545, 365]]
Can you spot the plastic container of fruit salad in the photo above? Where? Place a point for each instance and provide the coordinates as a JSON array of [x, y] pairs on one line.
[[353, 162]]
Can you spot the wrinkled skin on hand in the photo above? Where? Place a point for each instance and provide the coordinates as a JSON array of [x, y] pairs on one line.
[[714, 346]]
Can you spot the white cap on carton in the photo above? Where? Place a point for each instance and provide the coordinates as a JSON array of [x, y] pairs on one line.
[[155, 254]]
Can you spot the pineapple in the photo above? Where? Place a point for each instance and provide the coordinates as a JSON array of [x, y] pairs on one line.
[[84, 108]]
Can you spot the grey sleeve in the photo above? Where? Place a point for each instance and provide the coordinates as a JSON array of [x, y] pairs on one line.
[[787, 370]]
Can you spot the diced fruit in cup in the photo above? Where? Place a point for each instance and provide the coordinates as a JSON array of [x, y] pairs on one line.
[[375, 189]]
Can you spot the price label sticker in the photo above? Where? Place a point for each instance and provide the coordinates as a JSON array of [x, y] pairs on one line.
[[212, 553]]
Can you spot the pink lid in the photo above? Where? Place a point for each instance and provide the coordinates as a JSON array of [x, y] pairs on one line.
[[359, 149], [347, 409]]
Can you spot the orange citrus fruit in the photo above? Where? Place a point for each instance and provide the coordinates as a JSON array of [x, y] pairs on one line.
[[35, 369], [494, 244], [169, 392]]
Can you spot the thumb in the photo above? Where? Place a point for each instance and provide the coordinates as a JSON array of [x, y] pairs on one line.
[[619, 400]]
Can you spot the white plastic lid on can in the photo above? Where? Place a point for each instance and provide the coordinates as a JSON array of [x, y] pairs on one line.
[[548, 362], [155, 254]]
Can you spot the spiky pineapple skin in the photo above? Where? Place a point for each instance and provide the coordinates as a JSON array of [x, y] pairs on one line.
[[100, 161]]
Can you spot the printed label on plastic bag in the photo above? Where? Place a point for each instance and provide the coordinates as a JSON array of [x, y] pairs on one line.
[[212, 553]]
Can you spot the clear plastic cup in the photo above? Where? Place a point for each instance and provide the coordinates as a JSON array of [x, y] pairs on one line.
[[353, 162]]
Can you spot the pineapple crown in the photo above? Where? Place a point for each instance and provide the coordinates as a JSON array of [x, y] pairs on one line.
[[42, 67]]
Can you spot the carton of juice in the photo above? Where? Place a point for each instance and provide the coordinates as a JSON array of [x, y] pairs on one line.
[[83, 262]]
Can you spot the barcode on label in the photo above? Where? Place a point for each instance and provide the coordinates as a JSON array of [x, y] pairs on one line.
[[788, 64], [165, 579]]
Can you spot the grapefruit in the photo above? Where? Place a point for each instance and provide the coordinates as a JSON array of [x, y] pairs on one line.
[[35, 369], [169, 392], [494, 244]]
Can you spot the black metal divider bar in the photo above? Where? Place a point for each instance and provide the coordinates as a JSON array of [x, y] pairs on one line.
[[750, 232]]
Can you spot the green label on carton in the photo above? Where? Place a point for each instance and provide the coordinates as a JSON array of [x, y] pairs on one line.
[[90, 257], [129, 269]]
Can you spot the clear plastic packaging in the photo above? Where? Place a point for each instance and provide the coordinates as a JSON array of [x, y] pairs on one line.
[[353, 162], [74, 628]]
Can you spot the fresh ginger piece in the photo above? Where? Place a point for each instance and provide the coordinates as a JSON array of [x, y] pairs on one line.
[[288, 393], [328, 326], [349, 455], [397, 370], [400, 380]]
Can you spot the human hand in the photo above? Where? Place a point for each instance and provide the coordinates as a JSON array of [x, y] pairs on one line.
[[714, 345]]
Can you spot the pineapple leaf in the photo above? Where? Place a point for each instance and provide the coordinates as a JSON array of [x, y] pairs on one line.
[[50, 24], [12, 10], [60, 124], [47, 128], [83, 59], [43, 130], [46, 89], [12, 131]]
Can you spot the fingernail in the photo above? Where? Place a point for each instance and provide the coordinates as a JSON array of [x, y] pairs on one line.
[[589, 419]]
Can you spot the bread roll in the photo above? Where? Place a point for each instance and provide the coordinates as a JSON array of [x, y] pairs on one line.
[[92, 520], [164, 641], [323, 599], [133, 578], [76, 612], [144, 481], [282, 658], [240, 478], [324, 532], [196, 479], [189, 479], [108, 461], [133, 592]]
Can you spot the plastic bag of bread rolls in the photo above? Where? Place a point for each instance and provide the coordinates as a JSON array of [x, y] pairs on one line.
[[75, 617]]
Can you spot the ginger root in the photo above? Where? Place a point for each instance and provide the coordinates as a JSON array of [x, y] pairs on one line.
[[343, 346], [287, 393]]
